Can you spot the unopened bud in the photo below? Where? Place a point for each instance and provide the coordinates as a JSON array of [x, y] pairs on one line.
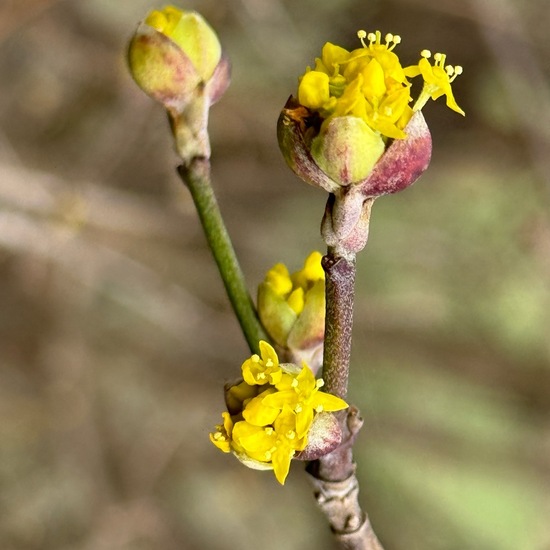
[[176, 58], [174, 54]]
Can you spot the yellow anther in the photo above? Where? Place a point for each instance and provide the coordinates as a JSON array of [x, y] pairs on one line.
[[260, 376], [388, 38], [361, 35], [268, 455], [426, 54], [319, 408], [269, 363], [298, 408], [294, 383], [291, 434], [319, 383], [269, 430], [255, 358], [458, 70]]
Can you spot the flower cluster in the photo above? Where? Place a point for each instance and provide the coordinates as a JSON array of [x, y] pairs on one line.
[[291, 307], [352, 104], [276, 412], [370, 83]]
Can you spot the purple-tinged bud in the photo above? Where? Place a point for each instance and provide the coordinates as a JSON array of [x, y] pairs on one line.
[[323, 437], [176, 58], [174, 55]]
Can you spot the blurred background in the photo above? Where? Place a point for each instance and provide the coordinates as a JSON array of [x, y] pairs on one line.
[[116, 337]]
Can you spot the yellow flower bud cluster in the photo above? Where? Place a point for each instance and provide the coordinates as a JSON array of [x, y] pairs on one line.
[[292, 306], [272, 413]]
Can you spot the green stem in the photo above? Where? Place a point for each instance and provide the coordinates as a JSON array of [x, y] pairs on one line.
[[196, 176]]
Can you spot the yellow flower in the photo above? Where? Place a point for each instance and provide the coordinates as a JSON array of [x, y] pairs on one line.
[[292, 307], [239, 394], [437, 79], [262, 370], [257, 412], [302, 393], [222, 436], [265, 428], [275, 444]]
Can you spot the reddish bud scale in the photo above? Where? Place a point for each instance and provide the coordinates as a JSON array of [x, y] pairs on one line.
[[403, 162]]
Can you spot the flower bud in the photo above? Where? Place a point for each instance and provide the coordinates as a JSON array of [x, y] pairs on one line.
[[292, 310], [176, 58], [174, 55], [347, 149]]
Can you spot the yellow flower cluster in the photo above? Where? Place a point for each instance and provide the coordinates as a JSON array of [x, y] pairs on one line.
[[271, 412], [370, 83], [292, 307]]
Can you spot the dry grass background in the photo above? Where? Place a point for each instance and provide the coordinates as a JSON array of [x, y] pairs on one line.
[[116, 336]]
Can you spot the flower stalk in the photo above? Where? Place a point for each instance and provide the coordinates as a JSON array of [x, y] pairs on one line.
[[196, 176]]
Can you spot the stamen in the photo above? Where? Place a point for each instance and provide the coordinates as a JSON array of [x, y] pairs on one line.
[[260, 376], [291, 434], [426, 54], [319, 383], [361, 35], [298, 408], [392, 40], [294, 383], [319, 408], [269, 363], [268, 455], [255, 358], [440, 59], [269, 430], [453, 71]]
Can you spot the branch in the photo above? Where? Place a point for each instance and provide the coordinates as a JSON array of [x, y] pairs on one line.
[[333, 475], [196, 176]]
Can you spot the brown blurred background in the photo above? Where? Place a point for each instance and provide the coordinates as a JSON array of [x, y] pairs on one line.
[[116, 335]]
